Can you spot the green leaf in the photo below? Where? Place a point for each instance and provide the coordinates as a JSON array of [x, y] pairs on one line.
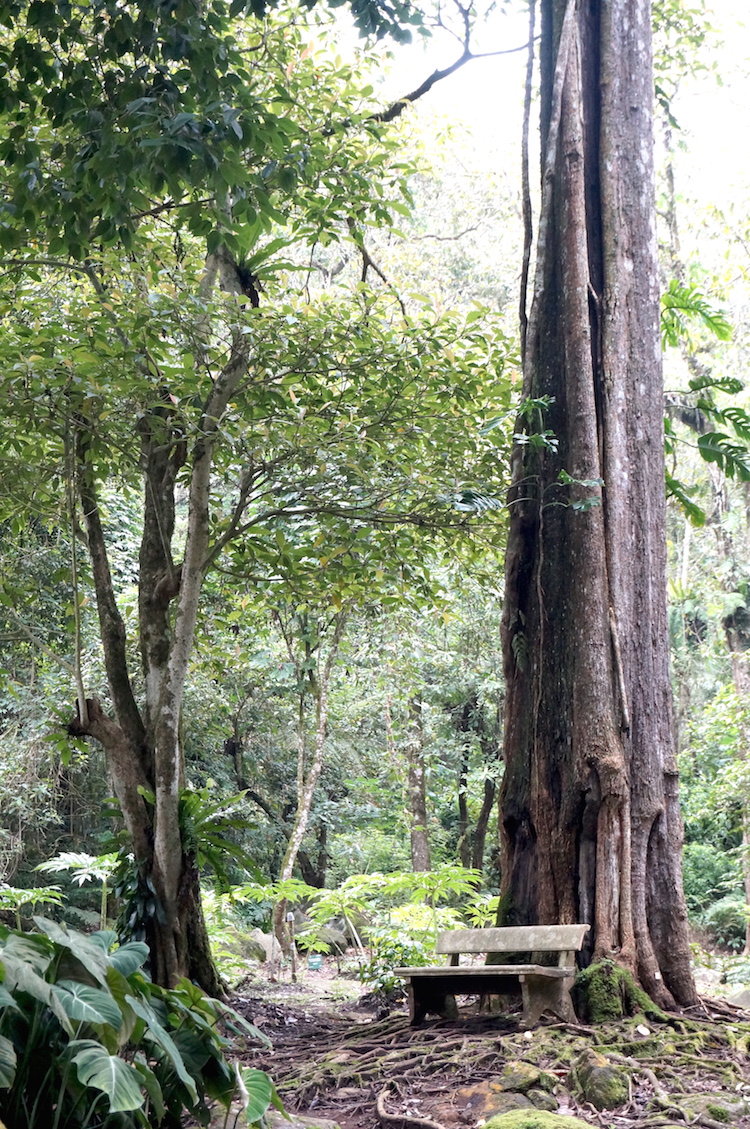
[[683, 302], [105, 938], [155, 1033], [91, 1005], [680, 493], [7, 1063], [734, 460], [256, 1093], [151, 1085], [723, 383], [120, 1081], [35, 951], [88, 952], [21, 977], [129, 957], [6, 999]]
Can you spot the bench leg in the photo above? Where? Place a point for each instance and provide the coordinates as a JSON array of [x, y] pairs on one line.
[[449, 1009], [417, 1006], [542, 993], [426, 998]]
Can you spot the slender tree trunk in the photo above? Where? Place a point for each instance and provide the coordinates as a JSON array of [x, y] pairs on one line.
[[489, 739], [142, 741], [420, 843], [309, 774], [464, 845], [591, 828], [472, 720]]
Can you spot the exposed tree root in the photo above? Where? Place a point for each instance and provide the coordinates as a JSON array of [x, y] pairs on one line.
[[401, 1120]]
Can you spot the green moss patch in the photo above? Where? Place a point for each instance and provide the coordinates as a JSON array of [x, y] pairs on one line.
[[534, 1119], [604, 992]]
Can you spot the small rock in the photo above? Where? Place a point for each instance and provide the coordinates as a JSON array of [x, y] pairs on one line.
[[268, 943], [507, 1102], [244, 945], [307, 1121], [604, 1085], [325, 934], [486, 1099], [741, 998], [520, 1076], [540, 1099]]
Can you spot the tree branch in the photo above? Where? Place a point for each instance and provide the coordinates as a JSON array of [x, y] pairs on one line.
[[397, 108], [66, 666], [112, 627]]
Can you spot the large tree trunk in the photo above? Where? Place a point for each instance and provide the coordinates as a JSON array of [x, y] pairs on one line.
[[737, 630], [591, 826]]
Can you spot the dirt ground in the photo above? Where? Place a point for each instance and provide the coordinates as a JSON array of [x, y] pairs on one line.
[[345, 1056]]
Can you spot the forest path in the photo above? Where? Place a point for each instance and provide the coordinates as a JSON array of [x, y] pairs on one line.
[[335, 1056]]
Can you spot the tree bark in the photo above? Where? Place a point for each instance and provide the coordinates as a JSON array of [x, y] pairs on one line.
[[590, 825]]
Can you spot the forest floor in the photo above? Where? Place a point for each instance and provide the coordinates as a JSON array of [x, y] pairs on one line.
[[337, 1055]]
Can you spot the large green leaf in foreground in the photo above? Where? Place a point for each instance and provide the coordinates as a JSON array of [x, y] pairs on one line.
[[117, 1079]]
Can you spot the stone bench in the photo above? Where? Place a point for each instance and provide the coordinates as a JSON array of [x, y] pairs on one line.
[[543, 987]]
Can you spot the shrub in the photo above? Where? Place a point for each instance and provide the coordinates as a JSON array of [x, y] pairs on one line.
[[86, 1040], [390, 949], [726, 921], [707, 874]]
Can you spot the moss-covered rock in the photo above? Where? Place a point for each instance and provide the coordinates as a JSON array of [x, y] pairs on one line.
[[268, 943], [244, 945], [724, 1108], [599, 1082], [519, 1075], [534, 1119], [604, 992], [540, 1099]]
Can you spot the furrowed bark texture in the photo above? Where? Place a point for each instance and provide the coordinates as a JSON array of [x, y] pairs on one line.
[[591, 828]]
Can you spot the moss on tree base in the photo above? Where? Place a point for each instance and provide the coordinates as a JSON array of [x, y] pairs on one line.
[[604, 992]]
